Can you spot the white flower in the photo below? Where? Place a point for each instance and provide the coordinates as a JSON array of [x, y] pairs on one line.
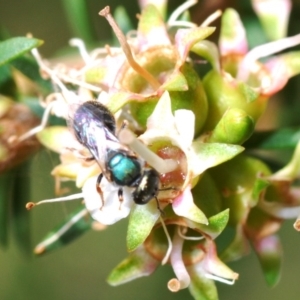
[[111, 210]]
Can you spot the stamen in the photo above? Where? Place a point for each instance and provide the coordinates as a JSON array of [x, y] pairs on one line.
[[211, 18], [75, 42], [40, 127], [30, 205], [174, 285], [80, 83], [189, 238], [183, 277], [161, 165], [40, 248], [127, 51], [220, 279], [66, 93], [166, 258], [263, 51], [182, 24], [180, 10]]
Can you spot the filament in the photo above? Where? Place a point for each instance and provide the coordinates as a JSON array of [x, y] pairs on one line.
[[30, 205], [126, 49]]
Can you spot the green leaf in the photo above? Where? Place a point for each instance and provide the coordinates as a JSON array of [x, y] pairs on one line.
[[141, 221], [6, 192], [76, 224], [138, 264], [20, 216], [269, 253], [201, 287], [14, 47]]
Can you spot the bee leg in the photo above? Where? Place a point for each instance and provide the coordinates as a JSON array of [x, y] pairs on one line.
[[99, 190], [158, 206], [123, 125], [120, 195]]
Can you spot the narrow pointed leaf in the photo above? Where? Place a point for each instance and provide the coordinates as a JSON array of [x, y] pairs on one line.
[[78, 223], [12, 48], [79, 20]]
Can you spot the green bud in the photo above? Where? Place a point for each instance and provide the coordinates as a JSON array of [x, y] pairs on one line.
[[235, 180], [235, 127], [224, 93], [193, 99]]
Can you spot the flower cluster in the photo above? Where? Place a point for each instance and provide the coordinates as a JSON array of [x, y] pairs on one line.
[[191, 131]]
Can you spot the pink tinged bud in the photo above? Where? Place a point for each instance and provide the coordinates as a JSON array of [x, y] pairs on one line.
[[215, 268], [281, 68], [274, 16], [247, 65], [185, 39], [233, 35], [269, 253], [152, 31], [161, 5]]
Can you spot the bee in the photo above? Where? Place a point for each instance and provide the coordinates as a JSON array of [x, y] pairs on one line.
[[94, 127]]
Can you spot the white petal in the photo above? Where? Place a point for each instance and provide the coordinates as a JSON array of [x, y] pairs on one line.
[[162, 117], [112, 211], [184, 206], [185, 122]]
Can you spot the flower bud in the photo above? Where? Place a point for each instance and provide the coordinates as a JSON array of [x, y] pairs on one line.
[[193, 99], [223, 92], [235, 127], [236, 190]]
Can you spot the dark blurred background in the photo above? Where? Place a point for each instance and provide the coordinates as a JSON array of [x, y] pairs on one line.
[[79, 270]]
